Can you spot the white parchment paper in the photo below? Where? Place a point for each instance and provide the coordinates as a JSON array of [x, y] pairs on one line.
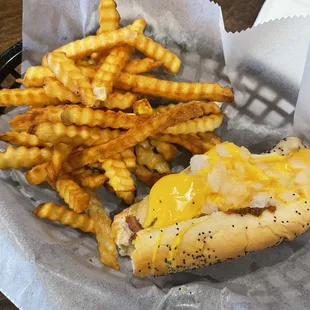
[[46, 266]]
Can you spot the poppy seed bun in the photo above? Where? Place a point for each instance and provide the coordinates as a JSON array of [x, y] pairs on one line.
[[210, 239]]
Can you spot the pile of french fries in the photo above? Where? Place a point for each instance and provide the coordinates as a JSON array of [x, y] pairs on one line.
[[90, 123]]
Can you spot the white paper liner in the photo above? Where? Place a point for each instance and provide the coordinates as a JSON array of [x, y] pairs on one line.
[[47, 266]]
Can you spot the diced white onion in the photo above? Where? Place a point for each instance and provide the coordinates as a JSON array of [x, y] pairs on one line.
[[198, 162], [222, 151], [289, 196]]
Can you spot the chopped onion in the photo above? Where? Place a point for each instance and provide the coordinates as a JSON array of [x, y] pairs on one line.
[[198, 162], [222, 151]]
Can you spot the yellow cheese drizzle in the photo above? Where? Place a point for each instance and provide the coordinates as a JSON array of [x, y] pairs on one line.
[[158, 241], [176, 242], [230, 178]]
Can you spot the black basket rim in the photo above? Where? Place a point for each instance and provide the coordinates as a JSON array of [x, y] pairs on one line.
[[10, 53]]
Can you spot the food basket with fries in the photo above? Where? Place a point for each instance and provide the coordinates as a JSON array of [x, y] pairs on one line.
[[95, 124]]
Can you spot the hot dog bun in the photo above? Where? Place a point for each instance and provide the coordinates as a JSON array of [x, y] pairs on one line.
[[209, 239]]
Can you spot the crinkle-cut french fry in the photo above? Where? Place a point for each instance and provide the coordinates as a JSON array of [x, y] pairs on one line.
[[19, 81], [110, 70], [54, 88], [30, 96], [60, 154], [142, 107], [208, 108], [35, 76], [209, 137], [23, 122], [147, 176], [98, 58], [94, 44], [147, 157], [128, 157], [104, 236], [108, 16], [119, 176], [167, 150], [76, 198], [89, 72], [61, 214], [139, 25], [203, 124], [139, 133], [138, 66], [23, 157], [121, 101], [96, 165], [174, 90], [127, 197], [191, 142], [22, 139], [90, 117], [170, 61], [37, 174], [87, 178], [77, 135], [71, 77]]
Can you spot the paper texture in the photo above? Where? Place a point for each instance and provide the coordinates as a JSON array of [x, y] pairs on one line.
[[302, 113], [46, 266]]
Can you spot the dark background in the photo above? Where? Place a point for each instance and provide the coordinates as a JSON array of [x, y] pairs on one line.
[[238, 15]]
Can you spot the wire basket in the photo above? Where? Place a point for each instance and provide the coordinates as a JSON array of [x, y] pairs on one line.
[[10, 62]]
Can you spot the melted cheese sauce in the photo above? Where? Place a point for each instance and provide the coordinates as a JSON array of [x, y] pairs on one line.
[[229, 177]]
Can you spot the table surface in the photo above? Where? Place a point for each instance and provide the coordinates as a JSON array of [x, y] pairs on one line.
[[238, 15]]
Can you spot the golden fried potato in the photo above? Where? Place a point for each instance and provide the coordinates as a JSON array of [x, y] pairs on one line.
[[61, 214], [90, 117], [71, 77], [139, 133], [108, 16], [209, 137], [31, 96], [22, 139], [23, 157], [86, 178], [23, 122], [191, 142], [203, 124], [37, 174], [129, 158], [110, 70], [35, 76], [127, 197], [106, 245], [208, 108], [142, 107], [60, 155], [147, 157], [54, 88], [121, 101], [174, 90], [119, 176], [97, 43], [167, 150], [139, 25], [76, 198], [147, 176], [138, 66], [77, 135], [170, 61]]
